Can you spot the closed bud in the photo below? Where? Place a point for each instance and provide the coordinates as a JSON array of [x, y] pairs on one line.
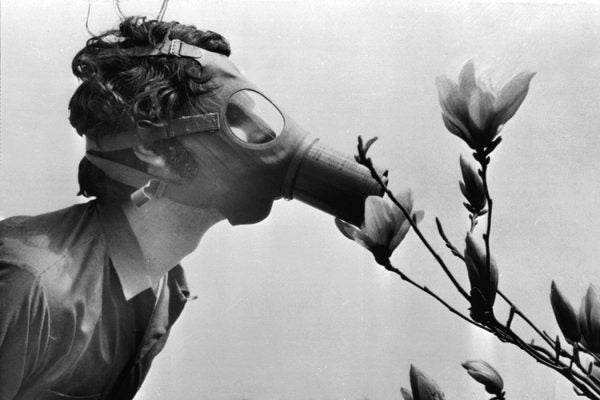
[[485, 374], [565, 315], [589, 320], [472, 187], [424, 388], [483, 280]]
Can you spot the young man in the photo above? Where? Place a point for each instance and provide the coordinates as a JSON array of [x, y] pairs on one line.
[[88, 293], [177, 140]]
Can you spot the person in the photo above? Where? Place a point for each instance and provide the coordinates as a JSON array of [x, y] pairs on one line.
[[88, 293], [176, 141]]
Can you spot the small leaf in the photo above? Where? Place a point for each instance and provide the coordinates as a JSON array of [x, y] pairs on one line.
[[370, 143], [406, 394]]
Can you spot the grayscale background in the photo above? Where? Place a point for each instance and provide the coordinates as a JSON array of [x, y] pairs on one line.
[[289, 308]]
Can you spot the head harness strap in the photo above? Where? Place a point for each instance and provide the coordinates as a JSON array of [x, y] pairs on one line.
[[146, 131], [168, 47]]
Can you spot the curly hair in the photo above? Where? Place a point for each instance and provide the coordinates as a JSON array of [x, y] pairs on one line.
[[117, 90]]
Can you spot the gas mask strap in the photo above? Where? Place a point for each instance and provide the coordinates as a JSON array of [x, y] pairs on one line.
[[149, 186], [147, 132], [168, 47]]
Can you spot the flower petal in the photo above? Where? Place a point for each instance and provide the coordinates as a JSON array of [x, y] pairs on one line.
[[379, 220], [403, 229], [405, 197], [481, 108], [511, 97], [363, 239], [466, 79], [418, 216], [457, 128], [449, 95], [399, 236], [353, 233], [347, 229]]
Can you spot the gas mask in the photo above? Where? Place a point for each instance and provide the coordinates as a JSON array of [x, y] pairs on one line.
[[249, 152]]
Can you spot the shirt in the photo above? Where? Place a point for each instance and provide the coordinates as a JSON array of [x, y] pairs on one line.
[[78, 316]]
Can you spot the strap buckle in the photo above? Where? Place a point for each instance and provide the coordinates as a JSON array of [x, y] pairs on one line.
[[154, 189], [175, 48]]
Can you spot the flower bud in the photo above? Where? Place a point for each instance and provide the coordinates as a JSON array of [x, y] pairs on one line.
[[565, 315], [483, 280], [424, 388], [589, 320], [472, 187], [485, 374]]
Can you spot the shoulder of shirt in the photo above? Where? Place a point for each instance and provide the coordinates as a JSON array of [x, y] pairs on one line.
[[35, 243]]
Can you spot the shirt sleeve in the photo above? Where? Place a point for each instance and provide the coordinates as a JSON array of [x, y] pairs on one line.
[[23, 329]]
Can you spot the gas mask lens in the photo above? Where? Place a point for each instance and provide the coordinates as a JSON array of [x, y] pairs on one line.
[[252, 118]]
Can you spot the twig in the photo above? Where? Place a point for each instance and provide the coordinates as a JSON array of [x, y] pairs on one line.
[[369, 164], [388, 266], [527, 320], [447, 241]]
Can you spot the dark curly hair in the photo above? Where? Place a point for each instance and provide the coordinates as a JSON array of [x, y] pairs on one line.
[[117, 90]]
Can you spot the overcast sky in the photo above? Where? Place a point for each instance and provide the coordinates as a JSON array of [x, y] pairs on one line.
[[288, 308]]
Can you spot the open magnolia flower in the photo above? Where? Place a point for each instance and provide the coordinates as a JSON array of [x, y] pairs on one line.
[[475, 112], [385, 225]]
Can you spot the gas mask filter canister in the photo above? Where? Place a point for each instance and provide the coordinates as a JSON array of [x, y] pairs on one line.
[[249, 152]]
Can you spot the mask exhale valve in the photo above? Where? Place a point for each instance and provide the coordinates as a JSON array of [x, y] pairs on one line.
[[334, 183]]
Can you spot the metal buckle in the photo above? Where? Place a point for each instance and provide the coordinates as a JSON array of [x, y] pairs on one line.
[[154, 189], [175, 48]]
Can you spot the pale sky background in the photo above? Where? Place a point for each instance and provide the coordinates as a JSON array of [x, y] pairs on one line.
[[288, 308]]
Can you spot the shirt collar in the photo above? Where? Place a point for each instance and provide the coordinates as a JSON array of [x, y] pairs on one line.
[[132, 267]]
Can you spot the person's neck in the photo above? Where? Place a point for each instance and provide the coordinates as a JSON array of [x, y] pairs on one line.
[[167, 231]]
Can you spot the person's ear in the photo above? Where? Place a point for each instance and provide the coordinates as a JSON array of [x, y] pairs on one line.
[[148, 156], [157, 165]]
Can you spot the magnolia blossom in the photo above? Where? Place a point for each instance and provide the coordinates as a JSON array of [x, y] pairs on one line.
[[483, 280], [589, 320], [485, 374], [423, 387], [472, 188], [475, 112], [385, 225], [565, 315]]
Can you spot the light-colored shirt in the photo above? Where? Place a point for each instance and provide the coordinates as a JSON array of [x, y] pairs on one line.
[[78, 316]]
